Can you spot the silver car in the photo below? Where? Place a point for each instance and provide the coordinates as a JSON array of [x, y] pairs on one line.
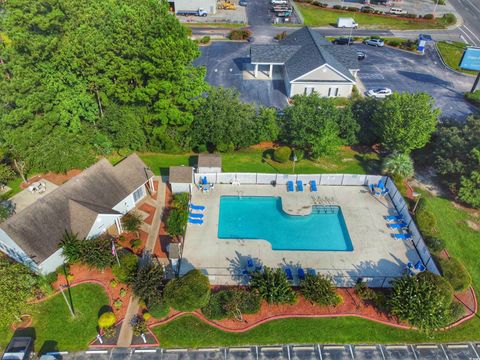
[[379, 92], [374, 42]]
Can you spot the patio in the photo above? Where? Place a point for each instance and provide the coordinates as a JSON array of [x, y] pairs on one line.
[[376, 255]]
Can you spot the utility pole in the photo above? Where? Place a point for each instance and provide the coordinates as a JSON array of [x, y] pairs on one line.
[[475, 83], [68, 303], [435, 8]]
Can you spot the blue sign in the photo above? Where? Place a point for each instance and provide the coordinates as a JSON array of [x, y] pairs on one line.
[[471, 59]]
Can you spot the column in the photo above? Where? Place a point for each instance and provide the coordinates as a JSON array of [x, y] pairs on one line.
[[150, 183], [271, 71], [118, 223], [256, 70]]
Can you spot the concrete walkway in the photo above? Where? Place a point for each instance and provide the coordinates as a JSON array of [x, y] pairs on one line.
[[126, 331]]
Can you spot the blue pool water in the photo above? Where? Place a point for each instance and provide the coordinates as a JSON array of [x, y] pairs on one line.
[[263, 218]]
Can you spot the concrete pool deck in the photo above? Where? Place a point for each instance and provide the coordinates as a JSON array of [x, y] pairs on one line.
[[376, 255]]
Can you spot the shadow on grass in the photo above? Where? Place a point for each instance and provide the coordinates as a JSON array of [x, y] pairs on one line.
[[369, 162], [267, 156], [50, 346]]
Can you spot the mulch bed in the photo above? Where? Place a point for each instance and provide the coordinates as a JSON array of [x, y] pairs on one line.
[[150, 210], [163, 239], [142, 235]]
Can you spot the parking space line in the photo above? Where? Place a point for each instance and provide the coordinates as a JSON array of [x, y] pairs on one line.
[[444, 352], [474, 350], [176, 350], [303, 348], [272, 348], [145, 351], [351, 351], [394, 347], [427, 346], [333, 347], [93, 352], [208, 349], [319, 352], [381, 350], [414, 353], [365, 347], [240, 349], [457, 346]]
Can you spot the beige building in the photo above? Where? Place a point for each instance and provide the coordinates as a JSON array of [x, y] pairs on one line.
[[309, 63]]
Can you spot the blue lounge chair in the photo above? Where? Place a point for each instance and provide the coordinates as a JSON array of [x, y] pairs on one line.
[[204, 180], [289, 274], [258, 267], [197, 207], [299, 186], [195, 215], [402, 236], [195, 221], [313, 186], [409, 265], [301, 273], [311, 271], [419, 266], [250, 263], [381, 185], [401, 225], [385, 192], [290, 186], [394, 217]]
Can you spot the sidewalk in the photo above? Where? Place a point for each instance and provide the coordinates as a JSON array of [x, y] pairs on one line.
[[126, 332]]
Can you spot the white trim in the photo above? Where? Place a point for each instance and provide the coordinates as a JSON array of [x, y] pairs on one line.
[[266, 63], [330, 67]]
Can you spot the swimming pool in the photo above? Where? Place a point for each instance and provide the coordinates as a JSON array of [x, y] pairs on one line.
[[255, 217]]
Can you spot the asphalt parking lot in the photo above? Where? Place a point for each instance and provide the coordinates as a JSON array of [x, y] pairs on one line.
[[407, 72], [225, 62], [383, 67], [467, 351]]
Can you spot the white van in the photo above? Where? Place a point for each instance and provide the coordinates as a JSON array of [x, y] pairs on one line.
[[397, 11], [279, 2], [346, 23]]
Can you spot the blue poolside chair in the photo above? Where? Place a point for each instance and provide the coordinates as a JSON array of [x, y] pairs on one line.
[[401, 225], [313, 186], [385, 192], [409, 265], [289, 274], [394, 218], [380, 185], [250, 263], [311, 271], [290, 186], [258, 267], [204, 180], [195, 221], [301, 273], [402, 236], [197, 207], [195, 215], [419, 266], [299, 186]]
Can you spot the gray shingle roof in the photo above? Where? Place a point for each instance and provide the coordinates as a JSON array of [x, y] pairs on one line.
[[75, 205], [305, 50], [209, 160], [180, 175]]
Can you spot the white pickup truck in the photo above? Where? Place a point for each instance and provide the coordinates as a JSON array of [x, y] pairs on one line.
[[279, 2]]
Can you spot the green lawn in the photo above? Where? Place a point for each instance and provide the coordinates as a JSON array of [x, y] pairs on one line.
[[462, 242], [258, 160], [452, 54], [317, 16], [55, 329]]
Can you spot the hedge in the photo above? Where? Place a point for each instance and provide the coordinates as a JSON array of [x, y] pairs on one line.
[[455, 272], [282, 154], [188, 293]]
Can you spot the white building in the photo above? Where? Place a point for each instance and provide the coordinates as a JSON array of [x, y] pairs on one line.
[[308, 62], [180, 178], [209, 6], [87, 205], [209, 163]]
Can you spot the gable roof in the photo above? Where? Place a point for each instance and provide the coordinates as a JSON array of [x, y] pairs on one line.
[[305, 50], [209, 160], [180, 175], [74, 206]]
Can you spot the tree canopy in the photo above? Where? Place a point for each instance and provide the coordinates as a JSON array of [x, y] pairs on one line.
[[405, 122], [82, 77]]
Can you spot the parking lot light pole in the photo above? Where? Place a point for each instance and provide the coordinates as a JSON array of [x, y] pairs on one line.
[[435, 7]]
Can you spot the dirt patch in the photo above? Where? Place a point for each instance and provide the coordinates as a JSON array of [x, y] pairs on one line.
[[263, 145], [473, 225], [56, 178], [473, 212], [425, 179]]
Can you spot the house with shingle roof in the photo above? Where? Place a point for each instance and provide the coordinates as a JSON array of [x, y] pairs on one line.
[[309, 63], [87, 205]]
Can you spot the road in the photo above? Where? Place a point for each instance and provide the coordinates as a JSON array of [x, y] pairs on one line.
[[470, 12]]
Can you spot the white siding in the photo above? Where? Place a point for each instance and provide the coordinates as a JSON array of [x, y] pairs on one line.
[[344, 90], [101, 224], [179, 188], [323, 73], [10, 248], [206, 170], [208, 5], [52, 262], [128, 203]]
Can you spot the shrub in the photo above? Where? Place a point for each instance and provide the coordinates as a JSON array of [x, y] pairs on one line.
[[106, 320], [231, 304], [51, 278], [428, 16], [159, 310], [434, 244], [242, 34], [180, 201], [176, 222], [440, 282], [127, 268], [147, 316], [123, 292], [398, 164], [63, 269], [299, 153], [283, 34], [190, 292], [352, 8], [138, 326], [205, 40], [118, 304], [456, 274], [457, 310], [420, 302], [109, 332], [364, 292], [272, 285], [135, 243], [131, 221], [202, 148], [282, 154], [425, 219], [410, 16], [320, 290], [394, 42], [70, 277], [337, 7], [113, 283], [449, 19], [225, 147], [147, 283]]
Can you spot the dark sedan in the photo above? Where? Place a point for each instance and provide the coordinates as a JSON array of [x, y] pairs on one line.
[[343, 41]]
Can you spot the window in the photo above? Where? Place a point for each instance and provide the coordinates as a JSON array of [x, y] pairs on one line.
[[332, 92], [138, 194], [308, 90]]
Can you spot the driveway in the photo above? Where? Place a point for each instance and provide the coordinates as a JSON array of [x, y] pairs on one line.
[[407, 72], [225, 62]]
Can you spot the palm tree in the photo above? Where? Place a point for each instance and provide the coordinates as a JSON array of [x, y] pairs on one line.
[[398, 164]]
